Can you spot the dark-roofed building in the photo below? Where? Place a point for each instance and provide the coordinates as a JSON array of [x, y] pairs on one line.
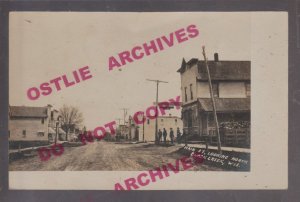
[[33, 124], [231, 90], [23, 112]]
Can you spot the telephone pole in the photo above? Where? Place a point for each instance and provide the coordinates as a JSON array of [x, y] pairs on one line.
[[119, 120], [125, 113], [157, 82], [213, 101]]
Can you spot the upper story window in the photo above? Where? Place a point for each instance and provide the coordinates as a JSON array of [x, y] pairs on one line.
[[232, 90], [185, 93], [191, 91], [148, 121], [215, 88], [248, 89], [40, 134], [52, 117], [24, 133], [42, 120], [203, 90]]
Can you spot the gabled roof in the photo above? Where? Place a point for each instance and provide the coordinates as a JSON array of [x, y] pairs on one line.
[[23, 111], [51, 130], [61, 131], [225, 104], [221, 70]]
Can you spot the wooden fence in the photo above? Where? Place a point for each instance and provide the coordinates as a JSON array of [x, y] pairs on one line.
[[231, 137]]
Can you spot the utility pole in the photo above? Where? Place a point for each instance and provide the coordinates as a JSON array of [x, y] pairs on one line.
[[58, 121], [129, 128], [143, 118], [118, 129], [213, 101], [56, 132], [143, 128], [125, 113], [118, 119], [124, 127], [157, 82]]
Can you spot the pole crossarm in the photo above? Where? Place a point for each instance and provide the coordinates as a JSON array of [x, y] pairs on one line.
[[157, 82], [125, 113]]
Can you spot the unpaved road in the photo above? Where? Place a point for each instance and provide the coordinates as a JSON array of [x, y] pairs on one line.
[[105, 156]]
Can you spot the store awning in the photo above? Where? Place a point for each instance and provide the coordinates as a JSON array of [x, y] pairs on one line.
[[61, 131], [51, 130]]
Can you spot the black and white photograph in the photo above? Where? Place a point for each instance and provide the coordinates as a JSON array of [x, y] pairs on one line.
[[140, 101]]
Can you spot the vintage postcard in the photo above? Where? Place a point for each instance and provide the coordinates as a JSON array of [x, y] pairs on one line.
[[148, 101]]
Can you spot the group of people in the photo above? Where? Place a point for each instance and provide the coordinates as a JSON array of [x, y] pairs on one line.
[[164, 134]]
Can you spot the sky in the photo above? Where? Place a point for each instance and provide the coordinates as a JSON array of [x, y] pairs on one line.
[[43, 46]]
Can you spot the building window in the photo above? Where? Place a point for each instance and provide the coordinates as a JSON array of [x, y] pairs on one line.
[[248, 89], [43, 120], [185, 95], [191, 91], [215, 88], [24, 133], [162, 120], [232, 90], [148, 121], [40, 134], [52, 116], [175, 121]]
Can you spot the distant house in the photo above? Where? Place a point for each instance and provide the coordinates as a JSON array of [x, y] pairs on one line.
[[148, 128], [53, 122], [127, 131], [33, 124], [231, 90], [74, 132], [133, 132], [123, 131]]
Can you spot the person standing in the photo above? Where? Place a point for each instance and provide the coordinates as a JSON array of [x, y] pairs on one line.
[[172, 135], [159, 136], [165, 136], [178, 135]]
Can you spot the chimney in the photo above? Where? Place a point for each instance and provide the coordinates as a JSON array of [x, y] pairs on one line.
[[49, 110], [216, 56]]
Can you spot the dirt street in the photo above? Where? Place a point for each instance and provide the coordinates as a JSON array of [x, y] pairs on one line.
[[105, 156]]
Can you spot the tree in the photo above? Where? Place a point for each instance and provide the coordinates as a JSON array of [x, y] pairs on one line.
[[71, 117]]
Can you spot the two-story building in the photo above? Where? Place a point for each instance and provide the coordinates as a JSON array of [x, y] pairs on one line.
[[54, 125], [231, 90], [123, 131], [128, 131], [147, 130], [30, 125]]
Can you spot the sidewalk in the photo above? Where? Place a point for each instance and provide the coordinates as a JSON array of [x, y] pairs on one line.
[[29, 149], [13, 151]]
